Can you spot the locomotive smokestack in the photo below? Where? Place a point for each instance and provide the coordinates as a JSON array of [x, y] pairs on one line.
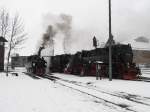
[[40, 49]]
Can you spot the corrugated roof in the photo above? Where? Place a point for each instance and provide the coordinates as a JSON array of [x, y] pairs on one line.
[[2, 39]]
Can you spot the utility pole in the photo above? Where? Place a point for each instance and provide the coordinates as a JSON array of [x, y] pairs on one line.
[[110, 37]]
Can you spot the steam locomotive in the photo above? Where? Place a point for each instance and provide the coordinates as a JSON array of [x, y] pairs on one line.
[[84, 63], [59, 62], [89, 63], [36, 64]]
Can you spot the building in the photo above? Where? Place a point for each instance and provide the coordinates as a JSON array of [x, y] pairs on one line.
[[18, 61], [2, 52]]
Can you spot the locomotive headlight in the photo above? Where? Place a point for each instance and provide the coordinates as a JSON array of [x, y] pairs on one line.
[[33, 64]]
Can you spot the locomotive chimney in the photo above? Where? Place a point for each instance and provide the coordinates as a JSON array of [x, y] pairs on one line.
[[40, 49]]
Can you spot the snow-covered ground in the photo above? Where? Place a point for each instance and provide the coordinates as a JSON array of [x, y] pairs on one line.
[[132, 87], [72, 94], [24, 94]]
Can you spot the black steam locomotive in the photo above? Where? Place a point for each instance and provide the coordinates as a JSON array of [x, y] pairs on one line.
[[59, 62], [36, 64], [84, 63]]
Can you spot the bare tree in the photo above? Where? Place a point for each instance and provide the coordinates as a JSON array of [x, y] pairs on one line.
[[13, 30], [16, 38], [4, 23]]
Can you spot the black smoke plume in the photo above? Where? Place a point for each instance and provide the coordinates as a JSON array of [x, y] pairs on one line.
[[58, 25], [49, 36]]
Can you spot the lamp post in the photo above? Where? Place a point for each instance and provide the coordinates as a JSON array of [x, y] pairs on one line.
[[110, 42]]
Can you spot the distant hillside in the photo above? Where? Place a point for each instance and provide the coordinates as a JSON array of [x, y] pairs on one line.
[[141, 56], [139, 43], [142, 39], [141, 49]]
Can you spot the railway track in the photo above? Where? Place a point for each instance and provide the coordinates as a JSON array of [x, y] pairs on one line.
[[129, 104], [144, 79], [32, 75], [130, 97], [122, 101]]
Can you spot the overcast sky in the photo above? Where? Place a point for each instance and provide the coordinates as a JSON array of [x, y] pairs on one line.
[[130, 19]]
